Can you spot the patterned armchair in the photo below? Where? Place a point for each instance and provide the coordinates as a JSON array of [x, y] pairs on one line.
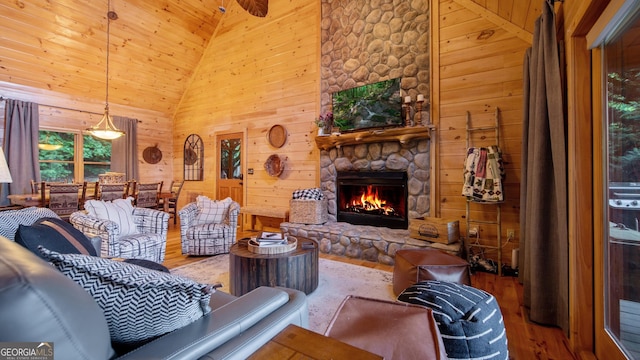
[[208, 227], [147, 239]]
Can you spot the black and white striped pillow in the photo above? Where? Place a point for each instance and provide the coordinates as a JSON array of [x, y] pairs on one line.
[[138, 303], [119, 211]]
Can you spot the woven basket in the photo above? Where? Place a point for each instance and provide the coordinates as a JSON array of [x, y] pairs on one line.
[[274, 165], [308, 211]]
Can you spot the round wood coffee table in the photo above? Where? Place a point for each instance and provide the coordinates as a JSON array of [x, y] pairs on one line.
[[296, 269]]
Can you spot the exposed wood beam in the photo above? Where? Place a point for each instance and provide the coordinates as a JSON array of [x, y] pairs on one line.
[[496, 19]]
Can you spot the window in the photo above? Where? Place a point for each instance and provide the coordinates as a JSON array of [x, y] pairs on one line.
[[72, 157], [620, 251]]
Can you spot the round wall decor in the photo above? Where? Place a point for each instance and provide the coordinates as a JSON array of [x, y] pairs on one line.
[[274, 165], [277, 136], [152, 154]]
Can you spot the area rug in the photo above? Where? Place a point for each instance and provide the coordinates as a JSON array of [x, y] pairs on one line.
[[336, 281]]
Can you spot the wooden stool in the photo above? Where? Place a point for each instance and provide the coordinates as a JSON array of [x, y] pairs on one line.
[[414, 265]]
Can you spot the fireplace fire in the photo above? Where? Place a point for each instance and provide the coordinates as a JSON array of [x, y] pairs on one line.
[[377, 198]]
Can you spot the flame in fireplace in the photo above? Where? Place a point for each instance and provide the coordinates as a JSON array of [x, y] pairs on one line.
[[370, 201]]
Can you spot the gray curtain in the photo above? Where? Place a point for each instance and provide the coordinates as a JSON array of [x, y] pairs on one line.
[[544, 249], [22, 123], [124, 150]]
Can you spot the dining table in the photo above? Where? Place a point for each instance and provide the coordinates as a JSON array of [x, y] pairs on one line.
[[32, 199]]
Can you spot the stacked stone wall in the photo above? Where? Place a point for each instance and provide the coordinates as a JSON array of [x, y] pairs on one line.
[[366, 41]]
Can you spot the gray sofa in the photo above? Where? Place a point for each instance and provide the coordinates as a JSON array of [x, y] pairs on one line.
[[40, 304]]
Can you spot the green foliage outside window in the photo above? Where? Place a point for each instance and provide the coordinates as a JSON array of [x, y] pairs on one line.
[[59, 165], [624, 126]]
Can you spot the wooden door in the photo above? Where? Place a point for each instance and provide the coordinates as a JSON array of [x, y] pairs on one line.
[[229, 160]]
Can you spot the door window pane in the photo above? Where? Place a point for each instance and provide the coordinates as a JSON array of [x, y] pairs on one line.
[[622, 250], [230, 159]]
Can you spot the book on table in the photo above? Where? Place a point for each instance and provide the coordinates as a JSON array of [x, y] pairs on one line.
[[267, 238]]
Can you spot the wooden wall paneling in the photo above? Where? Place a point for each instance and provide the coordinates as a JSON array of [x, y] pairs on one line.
[[476, 74], [492, 14], [434, 95], [154, 128], [272, 71], [520, 12]]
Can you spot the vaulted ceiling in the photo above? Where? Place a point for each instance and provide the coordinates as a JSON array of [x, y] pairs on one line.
[[155, 49], [60, 46]]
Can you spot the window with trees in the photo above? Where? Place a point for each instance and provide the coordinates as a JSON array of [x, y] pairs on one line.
[[72, 157]]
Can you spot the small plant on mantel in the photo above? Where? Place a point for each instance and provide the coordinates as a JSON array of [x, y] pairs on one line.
[[324, 123]]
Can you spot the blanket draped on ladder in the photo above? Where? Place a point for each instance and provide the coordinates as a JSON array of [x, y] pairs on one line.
[[483, 174]]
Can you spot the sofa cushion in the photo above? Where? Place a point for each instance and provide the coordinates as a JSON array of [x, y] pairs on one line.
[[119, 211], [139, 304], [40, 304], [211, 211], [10, 220], [469, 319], [54, 234]]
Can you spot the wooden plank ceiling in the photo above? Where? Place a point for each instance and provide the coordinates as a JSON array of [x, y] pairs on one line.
[[60, 46], [155, 45]]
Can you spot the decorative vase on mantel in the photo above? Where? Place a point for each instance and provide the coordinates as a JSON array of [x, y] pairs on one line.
[[325, 123]]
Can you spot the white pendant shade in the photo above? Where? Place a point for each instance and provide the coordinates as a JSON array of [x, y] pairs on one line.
[[105, 129]]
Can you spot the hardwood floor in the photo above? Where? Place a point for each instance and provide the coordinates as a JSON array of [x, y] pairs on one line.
[[526, 339]]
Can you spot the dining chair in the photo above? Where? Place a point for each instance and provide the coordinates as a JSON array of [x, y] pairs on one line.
[[172, 202], [109, 192], [35, 186], [89, 192], [130, 188], [147, 195], [38, 187], [64, 199]]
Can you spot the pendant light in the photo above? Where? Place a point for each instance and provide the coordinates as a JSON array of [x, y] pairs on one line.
[[105, 129]]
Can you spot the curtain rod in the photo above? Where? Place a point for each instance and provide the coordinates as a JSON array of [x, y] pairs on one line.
[[66, 108]]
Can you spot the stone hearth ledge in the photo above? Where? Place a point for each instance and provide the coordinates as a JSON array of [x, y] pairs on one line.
[[377, 244]]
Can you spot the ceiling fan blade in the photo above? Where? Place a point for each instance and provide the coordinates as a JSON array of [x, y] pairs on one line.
[[255, 7]]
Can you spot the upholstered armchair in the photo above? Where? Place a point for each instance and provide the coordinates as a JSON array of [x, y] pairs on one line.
[[134, 233], [208, 227]]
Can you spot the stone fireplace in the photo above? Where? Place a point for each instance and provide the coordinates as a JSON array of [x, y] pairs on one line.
[[350, 154], [410, 157], [377, 198]]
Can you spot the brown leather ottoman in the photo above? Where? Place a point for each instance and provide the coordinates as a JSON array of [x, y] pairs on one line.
[[392, 330], [414, 265]]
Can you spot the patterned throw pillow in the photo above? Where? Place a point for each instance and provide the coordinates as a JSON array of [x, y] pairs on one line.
[[139, 304], [308, 194], [119, 211], [55, 234], [211, 211], [13, 218], [469, 319]]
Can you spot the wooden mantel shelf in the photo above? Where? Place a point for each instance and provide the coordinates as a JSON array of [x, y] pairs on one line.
[[401, 135]]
